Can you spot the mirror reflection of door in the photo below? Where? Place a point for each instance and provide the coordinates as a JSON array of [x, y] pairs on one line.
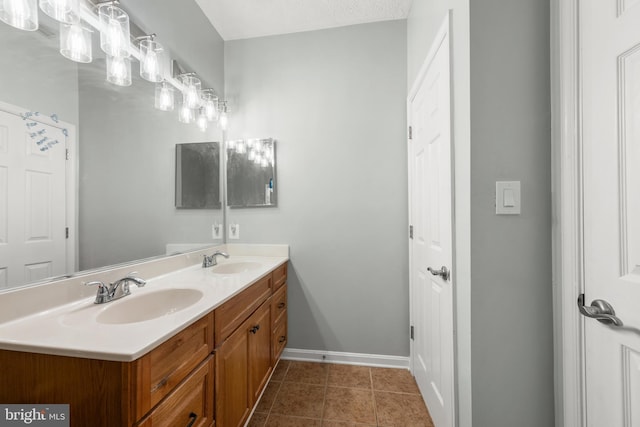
[[251, 173], [33, 200]]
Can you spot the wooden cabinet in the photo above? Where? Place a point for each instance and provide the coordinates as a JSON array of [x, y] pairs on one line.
[[210, 373]]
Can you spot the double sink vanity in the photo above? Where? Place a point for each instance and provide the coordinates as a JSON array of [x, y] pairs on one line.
[[194, 345]]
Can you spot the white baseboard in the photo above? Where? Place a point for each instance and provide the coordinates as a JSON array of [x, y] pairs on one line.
[[377, 360]]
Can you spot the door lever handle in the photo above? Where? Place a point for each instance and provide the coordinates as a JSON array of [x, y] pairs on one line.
[[443, 272], [600, 310]]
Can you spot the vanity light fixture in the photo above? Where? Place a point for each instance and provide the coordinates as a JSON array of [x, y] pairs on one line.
[[164, 99], [210, 104], [119, 70], [151, 59], [114, 30], [20, 14], [222, 117], [75, 42], [191, 91], [202, 120], [185, 115], [64, 11]]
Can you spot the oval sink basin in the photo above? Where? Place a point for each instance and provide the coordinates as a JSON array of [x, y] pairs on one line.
[[149, 306], [236, 267]]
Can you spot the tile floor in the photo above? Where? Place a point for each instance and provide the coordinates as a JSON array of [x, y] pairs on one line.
[[302, 394]]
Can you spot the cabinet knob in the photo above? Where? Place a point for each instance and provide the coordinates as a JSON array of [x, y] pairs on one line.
[[192, 419], [255, 329], [281, 305], [282, 339]]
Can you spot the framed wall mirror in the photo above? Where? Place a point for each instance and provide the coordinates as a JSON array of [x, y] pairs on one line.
[[251, 173], [198, 175]]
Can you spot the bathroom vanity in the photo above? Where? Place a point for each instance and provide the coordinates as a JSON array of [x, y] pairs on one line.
[[204, 364]]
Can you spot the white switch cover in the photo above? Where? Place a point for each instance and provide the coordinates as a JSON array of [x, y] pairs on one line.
[[508, 198], [216, 231], [234, 231]]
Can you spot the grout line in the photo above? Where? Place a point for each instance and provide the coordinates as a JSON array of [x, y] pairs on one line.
[[373, 396]]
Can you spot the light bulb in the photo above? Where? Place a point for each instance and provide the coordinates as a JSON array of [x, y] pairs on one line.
[[251, 155], [185, 114], [75, 43], [114, 37], [150, 64], [21, 14], [114, 30], [119, 71], [210, 110], [223, 120], [191, 97], [202, 121]]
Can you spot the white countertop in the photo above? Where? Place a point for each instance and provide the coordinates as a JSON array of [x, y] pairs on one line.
[[73, 329]]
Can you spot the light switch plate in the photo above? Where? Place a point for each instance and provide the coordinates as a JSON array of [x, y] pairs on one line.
[[508, 198], [216, 231], [234, 231]]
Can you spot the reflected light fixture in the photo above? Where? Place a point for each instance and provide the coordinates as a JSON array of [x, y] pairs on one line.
[[21, 14], [185, 115], [202, 121], [222, 118], [191, 91], [65, 11], [210, 103], [114, 30], [151, 59], [75, 42], [119, 70], [164, 99]]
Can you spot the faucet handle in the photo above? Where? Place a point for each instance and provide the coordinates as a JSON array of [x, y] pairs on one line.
[[103, 292], [101, 286]]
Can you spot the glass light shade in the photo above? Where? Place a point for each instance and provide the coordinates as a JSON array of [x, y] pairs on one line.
[[151, 60], [165, 99], [241, 147], [65, 11], [185, 115], [119, 71], [223, 120], [21, 14], [75, 43], [114, 31], [202, 121], [210, 104], [191, 92]]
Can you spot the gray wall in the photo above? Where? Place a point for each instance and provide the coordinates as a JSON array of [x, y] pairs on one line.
[[512, 329], [335, 102]]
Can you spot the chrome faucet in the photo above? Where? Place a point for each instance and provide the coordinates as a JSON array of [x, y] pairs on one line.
[[210, 261], [117, 289]]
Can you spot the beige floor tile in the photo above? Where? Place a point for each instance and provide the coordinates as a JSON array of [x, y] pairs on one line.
[[392, 379], [326, 423], [257, 420], [280, 371], [268, 397], [301, 400], [307, 372], [349, 404], [401, 410], [286, 421], [349, 376]]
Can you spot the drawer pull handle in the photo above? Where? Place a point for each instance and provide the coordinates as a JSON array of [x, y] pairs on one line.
[[255, 329], [192, 419], [281, 305], [282, 339]]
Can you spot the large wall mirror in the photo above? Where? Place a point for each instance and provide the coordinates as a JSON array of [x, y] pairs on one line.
[[122, 156]]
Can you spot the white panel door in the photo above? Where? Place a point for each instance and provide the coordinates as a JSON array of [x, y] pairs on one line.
[[32, 200], [430, 216], [610, 39]]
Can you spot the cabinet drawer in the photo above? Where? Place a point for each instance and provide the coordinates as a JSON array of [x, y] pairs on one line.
[[279, 304], [279, 339], [191, 401], [279, 276], [159, 371], [232, 313]]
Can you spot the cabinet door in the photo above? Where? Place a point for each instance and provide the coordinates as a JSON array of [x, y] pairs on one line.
[[232, 392], [259, 336], [190, 404]]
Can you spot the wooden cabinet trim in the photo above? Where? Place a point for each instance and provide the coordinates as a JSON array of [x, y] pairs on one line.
[[279, 276]]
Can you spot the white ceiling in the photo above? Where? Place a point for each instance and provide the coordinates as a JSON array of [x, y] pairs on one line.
[[241, 19]]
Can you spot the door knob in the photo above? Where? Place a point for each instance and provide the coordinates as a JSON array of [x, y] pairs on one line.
[[443, 272], [599, 310]]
